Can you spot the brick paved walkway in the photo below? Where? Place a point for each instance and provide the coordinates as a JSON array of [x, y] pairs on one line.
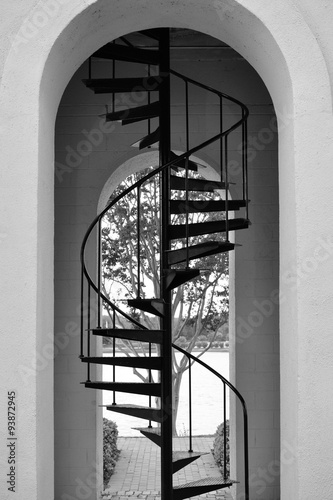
[[137, 473]]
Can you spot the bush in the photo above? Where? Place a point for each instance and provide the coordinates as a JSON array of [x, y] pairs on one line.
[[110, 450], [218, 447]]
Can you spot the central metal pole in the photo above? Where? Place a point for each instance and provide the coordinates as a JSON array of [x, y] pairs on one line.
[[166, 321]]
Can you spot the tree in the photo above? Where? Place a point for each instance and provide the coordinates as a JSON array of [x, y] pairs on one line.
[[200, 307]]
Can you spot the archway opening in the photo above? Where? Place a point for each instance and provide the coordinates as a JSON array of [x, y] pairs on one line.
[[86, 153]]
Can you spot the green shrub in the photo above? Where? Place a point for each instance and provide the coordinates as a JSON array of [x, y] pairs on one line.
[[110, 450], [218, 447]]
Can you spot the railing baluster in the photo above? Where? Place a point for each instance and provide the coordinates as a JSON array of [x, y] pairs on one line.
[[190, 404], [114, 354], [187, 136], [88, 334], [99, 272], [82, 313], [244, 159], [149, 379], [138, 239], [226, 173], [221, 140], [225, 432]]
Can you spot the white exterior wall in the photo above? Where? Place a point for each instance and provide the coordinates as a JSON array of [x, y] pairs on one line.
[[290, 44]]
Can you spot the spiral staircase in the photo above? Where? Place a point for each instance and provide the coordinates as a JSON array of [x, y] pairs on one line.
[[179, 185]]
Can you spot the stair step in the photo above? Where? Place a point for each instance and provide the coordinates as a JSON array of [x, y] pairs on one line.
[[129, 54], [154, 33], [176, 277], [149, 363], [201, 486], [152, 336], [114, 85], [182, 458], [152, 306], [152, 433], [149, 140], [145, 412], [198, 251], [179, 183], [179, 230], [201, 206], [179, 458], [132, 115], [149, 389], [182, 162]]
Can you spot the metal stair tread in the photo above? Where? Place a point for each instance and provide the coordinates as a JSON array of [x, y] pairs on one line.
[[152, 306], [129, 54], [198, 251], [148, 388], [115, 85], [152, 363], [195, 206], [149, 140], [134, 114], [181, 183], [152, 336], [218, 481], [145, 412], [200, 228]]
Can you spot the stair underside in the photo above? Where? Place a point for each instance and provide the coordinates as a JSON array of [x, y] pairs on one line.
[[128, 54], [181, 230], [149, 140], [149, 363], [114, 85], [176, 277], [180, 184], [149, 389], [198, 251], [201, 486], [152, 306], [200, 206], [182, 163], [152, 433], [145, 412], [132, 115], [181, 459], [152, 336]]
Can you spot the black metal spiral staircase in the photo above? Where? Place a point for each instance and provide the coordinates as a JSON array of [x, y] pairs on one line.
[[177, 193]]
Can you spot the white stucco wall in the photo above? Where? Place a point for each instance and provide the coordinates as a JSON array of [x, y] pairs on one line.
[[290, 45]]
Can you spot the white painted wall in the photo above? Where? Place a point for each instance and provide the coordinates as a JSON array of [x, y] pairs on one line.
[[290, 45]]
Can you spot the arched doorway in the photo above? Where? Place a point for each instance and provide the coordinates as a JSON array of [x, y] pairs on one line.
[[285, 85]]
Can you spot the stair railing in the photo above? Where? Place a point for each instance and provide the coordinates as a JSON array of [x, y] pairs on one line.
[[193, 359], [85, 273]]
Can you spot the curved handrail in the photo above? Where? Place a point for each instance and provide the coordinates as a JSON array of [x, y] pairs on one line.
[[242, 401], [151, 174]]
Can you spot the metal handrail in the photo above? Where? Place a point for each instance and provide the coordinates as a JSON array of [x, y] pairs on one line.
[[222, 135], [151, 174], [245, 415]]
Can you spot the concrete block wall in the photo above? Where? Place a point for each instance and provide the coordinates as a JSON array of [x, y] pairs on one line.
[[254, 312], [87, 152]]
